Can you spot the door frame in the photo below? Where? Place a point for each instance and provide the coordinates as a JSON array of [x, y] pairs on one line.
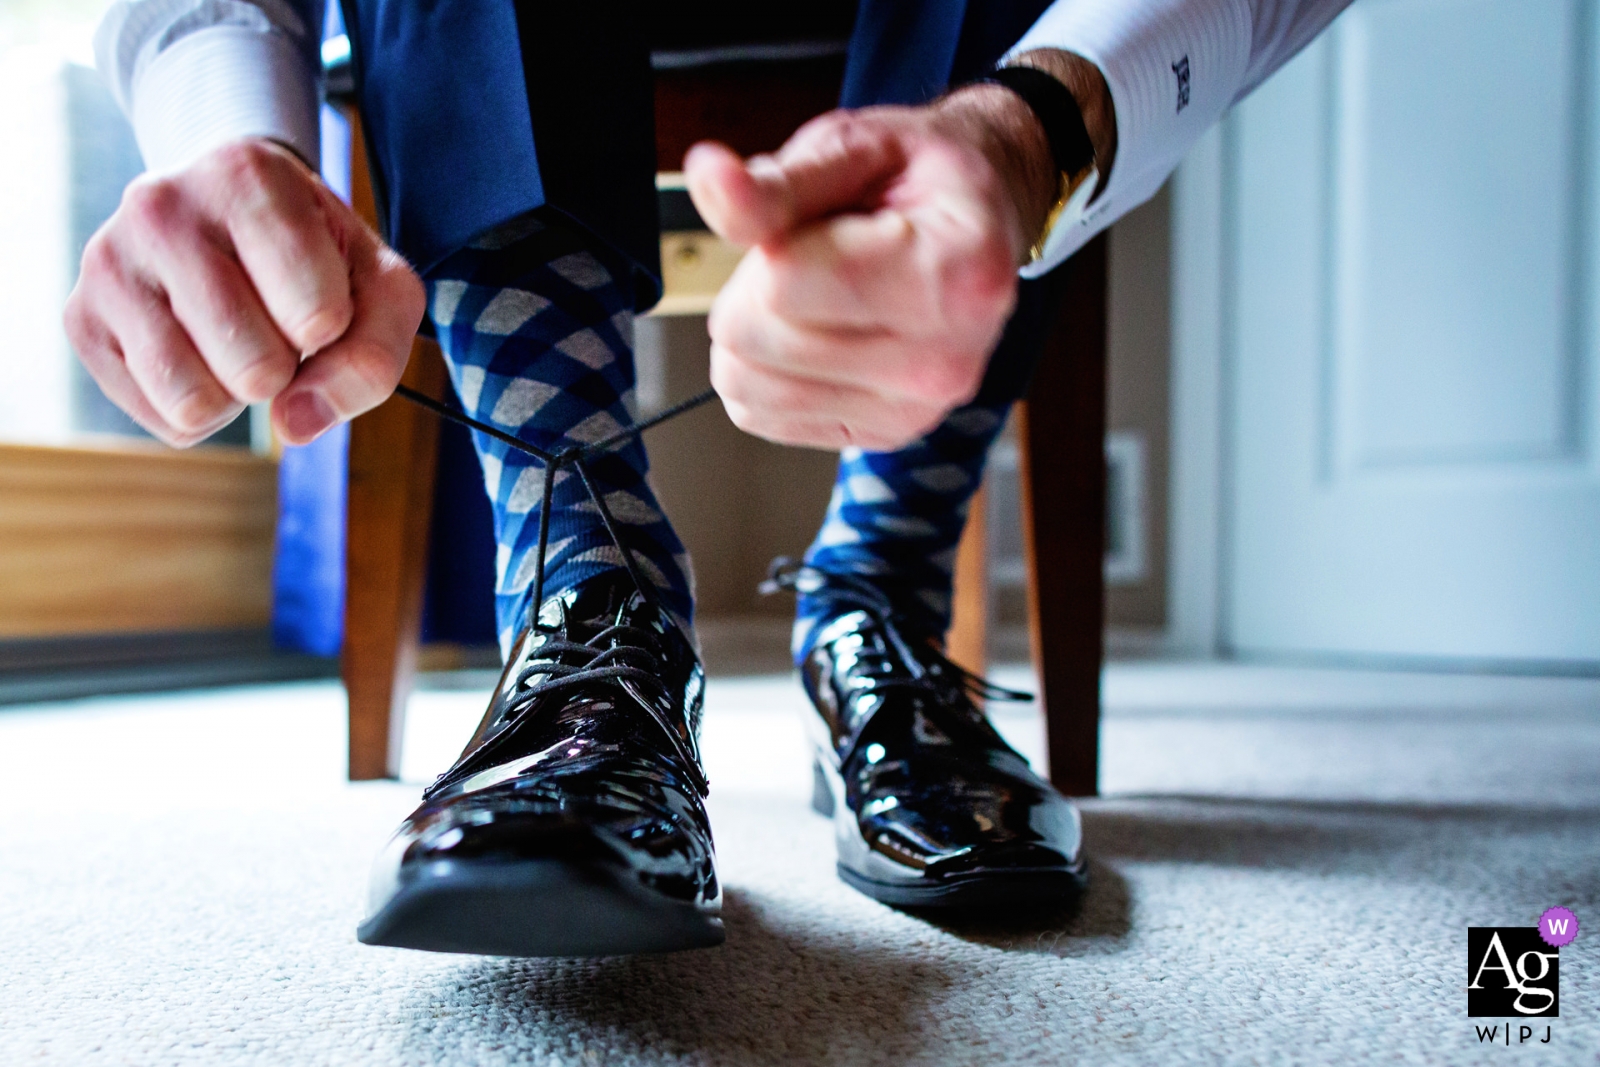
[[1197, 532]]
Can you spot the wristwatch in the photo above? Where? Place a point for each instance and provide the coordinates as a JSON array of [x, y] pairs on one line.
[[1072, 150]]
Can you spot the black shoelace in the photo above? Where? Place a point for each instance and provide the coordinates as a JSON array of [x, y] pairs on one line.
[[603, 657], [926, 665], [573, 457], [616, 653]]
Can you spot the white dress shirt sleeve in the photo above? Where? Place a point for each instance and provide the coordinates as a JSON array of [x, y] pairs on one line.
[[192, 75], [1173, 68]]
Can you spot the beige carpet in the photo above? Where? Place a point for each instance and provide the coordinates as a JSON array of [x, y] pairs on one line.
[[1284, 869]]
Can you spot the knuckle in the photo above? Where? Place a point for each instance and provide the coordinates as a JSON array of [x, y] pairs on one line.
[[731, 377], [742, 299], [89, 339], [725, 376], [381, 371], [176, 437], [197, 411], [413, 292], [320, 327], [76, 320], [313, 320], [410, 297], [146, 360], [154, 205], [835, 133], [719, 324], [100, 261], [921, 425], [246, 166], [168, 436], [986, 280], [717, 319], [739, 415], [847, 435], [262, 379], [944, 379], [365, 376], [960, 377]]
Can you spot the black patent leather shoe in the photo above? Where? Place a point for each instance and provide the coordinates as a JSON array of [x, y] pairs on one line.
[[930, 806], [573, 824]]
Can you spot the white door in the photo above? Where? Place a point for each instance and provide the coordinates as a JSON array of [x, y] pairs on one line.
[[1412, 398]]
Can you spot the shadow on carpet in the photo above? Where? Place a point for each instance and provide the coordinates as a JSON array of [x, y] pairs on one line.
[[1446, 843], [776, 993]]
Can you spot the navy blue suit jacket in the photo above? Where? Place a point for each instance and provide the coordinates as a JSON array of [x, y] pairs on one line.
[[456, 151]]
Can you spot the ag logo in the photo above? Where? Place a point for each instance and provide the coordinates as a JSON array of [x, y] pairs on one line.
[[1511, 973]]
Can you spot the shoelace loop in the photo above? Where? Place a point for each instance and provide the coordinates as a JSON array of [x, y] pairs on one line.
[[928, 664]]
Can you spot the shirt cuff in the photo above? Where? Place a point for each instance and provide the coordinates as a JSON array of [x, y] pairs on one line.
[[219, 85], [1173, 67]]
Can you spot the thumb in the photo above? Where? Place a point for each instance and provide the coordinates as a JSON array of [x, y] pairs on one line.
[[832, 164]]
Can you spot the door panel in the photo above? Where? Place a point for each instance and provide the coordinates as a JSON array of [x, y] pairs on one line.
[[1410, 339], [1453, 298]]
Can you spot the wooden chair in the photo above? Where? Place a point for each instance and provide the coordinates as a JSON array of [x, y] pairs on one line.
[[1061, 430]]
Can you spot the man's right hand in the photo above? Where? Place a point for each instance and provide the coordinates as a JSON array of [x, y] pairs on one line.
[[238, 280]]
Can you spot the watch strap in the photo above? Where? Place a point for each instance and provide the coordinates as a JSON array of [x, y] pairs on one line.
[[1057, 111]]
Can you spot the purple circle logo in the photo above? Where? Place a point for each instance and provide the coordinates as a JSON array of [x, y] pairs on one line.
[[1558, 926]]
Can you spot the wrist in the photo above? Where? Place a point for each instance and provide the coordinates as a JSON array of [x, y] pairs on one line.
[[1088, 87], [1009, 131], [1005, 130]]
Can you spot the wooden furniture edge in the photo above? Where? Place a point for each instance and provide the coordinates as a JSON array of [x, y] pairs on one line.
[[388, 511], [127, 537], [1063, 477]]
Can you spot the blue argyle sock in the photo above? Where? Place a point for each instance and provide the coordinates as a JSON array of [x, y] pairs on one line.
[[538, 336], [895, 518]]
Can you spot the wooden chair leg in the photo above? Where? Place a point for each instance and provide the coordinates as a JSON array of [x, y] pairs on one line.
[[394, 450], [1061, 431], [393, 454], [968, 640]]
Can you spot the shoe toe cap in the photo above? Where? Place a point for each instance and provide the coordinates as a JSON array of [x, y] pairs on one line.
[[671, 855], [955, 825]]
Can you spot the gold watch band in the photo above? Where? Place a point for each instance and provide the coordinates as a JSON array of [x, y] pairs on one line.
[[1069, 198]]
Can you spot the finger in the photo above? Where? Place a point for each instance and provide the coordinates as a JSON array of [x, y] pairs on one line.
[[879, 361], [895, 270], [120, 314], [164, 364], [360, 370], [206, 289], [850, 271], [834, 163], [281, 222], [101, 356], [798, 411]]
